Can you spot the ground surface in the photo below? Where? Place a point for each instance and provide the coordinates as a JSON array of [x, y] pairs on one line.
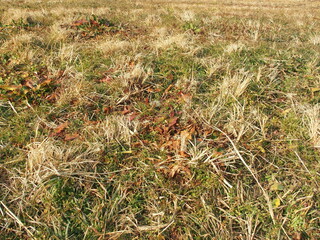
[[159, 119]]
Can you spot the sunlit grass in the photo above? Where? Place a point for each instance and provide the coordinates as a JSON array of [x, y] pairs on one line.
[[159, 119]]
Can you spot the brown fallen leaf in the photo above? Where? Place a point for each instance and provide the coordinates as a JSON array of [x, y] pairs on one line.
[[131, 63], [93, 22], [167, 90], [186, 97], [45, 82], [297, 236], [126, 110], [176, 169], [52, 97], [107, 110], [59, 129], [185, 136], [132, 116], [165, 130], [170, 77], [184, 154], [80, 22], [70, 137], [173, 145], [153, 90], [29, 83], [173, 121], [88, 123], [106, 79], [60, 73]]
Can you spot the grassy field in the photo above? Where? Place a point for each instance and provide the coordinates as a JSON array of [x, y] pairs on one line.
[[160, 119]]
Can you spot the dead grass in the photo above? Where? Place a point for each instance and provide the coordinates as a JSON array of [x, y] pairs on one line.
[[159, 119]]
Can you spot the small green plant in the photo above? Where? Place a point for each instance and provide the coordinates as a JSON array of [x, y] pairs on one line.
[[193, 27]]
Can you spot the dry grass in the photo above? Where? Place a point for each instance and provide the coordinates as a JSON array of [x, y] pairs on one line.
[[159, 119]]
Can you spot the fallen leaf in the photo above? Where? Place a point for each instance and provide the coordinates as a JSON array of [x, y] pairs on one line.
[[24, 74], [277, 187], [60, 73], [93, 22], [186, 97], [184, 154], [173, 121], [60, 128], [106, 79], [126, 110], [170, 77], [167, 90], [79, 23], [52, 97], [179, 169], [153, 90], [171, 145], [107, 109], [29, 84], [297, 236], [164, 130], [172, 114], [45, 82], [133, 116], [70, 137], [276, 202], [315, 89], [131, 63], [88, 123], [186, 134]]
